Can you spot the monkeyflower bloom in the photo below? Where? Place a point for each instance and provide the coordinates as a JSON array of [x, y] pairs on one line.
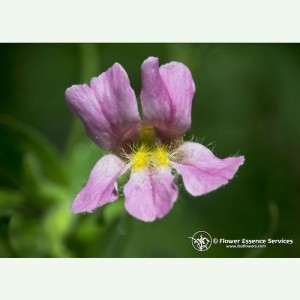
[[152, 149]]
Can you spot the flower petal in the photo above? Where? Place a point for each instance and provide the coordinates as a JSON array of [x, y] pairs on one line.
[[107, 108], [201, 171], [150, 194], [166, 97], [101, 186]]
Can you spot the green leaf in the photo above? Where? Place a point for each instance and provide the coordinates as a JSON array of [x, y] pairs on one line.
[[17, 139], [10, 200], [112, 238], [6, 249], [39, 192], [113, 211], [4, 222], [55, 226], [80, 162], [26, 236]]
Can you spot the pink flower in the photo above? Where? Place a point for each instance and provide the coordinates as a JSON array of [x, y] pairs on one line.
[[150, 148]]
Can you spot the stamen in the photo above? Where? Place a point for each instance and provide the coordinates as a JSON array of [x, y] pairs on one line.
[[141, 158], [160, 156]]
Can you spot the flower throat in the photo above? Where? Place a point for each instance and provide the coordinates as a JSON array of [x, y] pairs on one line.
[[147, 152]]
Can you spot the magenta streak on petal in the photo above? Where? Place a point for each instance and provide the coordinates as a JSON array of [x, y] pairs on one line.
[[107, 108], [150, 194], [101, 186], [166, 97], [202, 171]]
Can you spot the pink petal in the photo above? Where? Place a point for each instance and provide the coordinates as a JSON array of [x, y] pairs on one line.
[[201, 171], [101, 187], [107, 108], [150, 194], [166, 97]]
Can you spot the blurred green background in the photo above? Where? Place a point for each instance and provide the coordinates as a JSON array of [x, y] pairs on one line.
[[247, 101]]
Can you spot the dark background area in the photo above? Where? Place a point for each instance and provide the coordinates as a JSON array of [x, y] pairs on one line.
[[247, 101]]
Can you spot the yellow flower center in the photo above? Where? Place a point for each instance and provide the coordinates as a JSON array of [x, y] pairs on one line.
[[141, 158], [146, 153], [144, 157], [160, 156]]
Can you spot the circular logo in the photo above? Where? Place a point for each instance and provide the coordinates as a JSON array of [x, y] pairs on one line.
[[201, 240]]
